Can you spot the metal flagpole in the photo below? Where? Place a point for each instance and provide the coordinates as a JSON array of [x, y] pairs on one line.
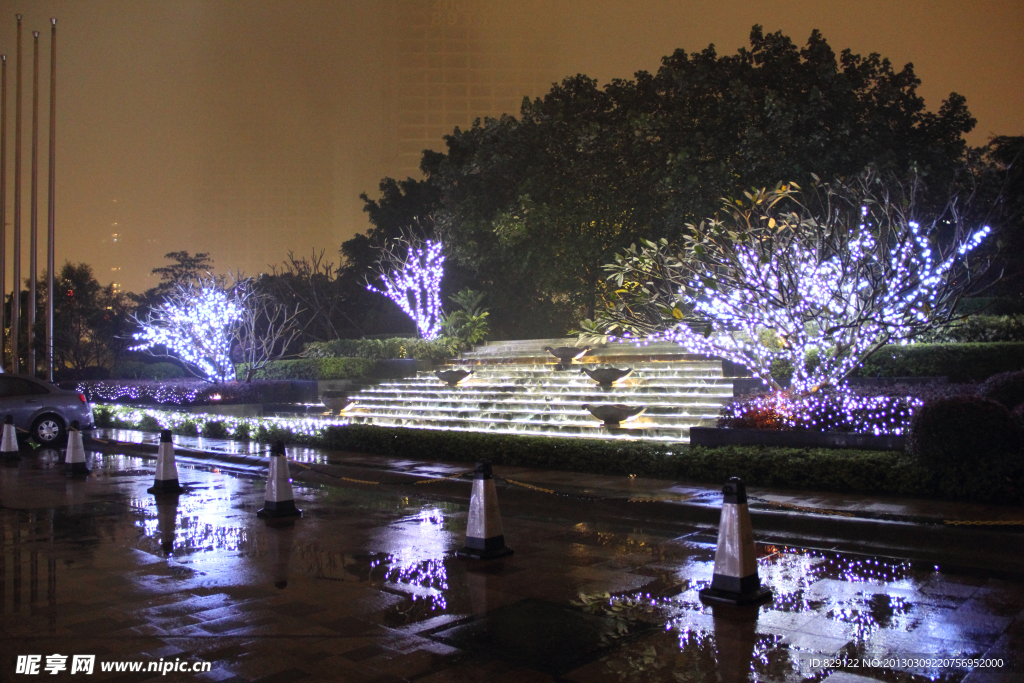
[[50, 234], [3, 210], [16, 269], [33, 239]]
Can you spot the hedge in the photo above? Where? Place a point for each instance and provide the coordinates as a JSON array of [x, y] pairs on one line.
[[981, 328], [385, 349], [958, 362], [314, 369], [820, 469]]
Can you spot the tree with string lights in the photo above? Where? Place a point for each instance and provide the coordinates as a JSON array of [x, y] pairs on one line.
[[819, 280], [200, 321], [410, 270]]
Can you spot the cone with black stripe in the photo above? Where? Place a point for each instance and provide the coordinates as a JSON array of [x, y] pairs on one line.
[[735, 580], [74, 461], [9, 441], [485, 539], [279, 500], [166, 468]]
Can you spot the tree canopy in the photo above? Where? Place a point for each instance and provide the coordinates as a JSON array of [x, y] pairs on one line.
[[534, 206]]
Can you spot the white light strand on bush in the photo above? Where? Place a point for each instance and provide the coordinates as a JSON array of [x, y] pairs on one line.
[[839, 412], [239, 428], [148, 391], [196, 328], [873, 294], [416, 287]]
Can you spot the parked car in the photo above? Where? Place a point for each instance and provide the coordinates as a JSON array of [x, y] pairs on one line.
[[41, 409]]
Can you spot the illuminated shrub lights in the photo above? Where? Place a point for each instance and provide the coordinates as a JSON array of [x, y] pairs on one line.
[[294, 430], [195, 324], [819, 285], [413, 281], [823, 412], [190, 392]]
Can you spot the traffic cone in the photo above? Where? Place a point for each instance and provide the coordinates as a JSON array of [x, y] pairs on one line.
[[74, 461], [485, 539], [279, 500], [166, 468], [9, 441], [735, 580]]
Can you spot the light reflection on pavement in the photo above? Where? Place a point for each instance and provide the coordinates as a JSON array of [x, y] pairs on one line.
[[365, 586]]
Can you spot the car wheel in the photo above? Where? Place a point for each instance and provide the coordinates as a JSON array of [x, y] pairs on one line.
[[48, 430]]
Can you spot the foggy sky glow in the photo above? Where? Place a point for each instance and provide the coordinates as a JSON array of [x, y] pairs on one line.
[[248, 128]]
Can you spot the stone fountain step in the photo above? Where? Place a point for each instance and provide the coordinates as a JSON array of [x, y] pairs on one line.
[[591, 430], [667, 410], [531, 371], [516, 388], [527, 392]]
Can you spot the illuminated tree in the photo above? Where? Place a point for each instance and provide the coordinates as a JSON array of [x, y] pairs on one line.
[[819, 280], [199, 322], [194, 323], [410, 271]]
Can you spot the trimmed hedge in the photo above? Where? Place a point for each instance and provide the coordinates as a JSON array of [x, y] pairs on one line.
[[314, 369], [385, 349], [819, 469], [971, 448], [981, 328], [1006, 388], [958, 362]]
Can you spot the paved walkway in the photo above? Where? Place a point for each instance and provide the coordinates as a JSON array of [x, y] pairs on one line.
[[925, 530], [366, 587]]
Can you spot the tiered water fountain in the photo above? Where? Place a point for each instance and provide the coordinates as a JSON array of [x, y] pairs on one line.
[[517, 388]]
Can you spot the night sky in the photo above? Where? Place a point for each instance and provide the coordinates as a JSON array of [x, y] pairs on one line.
[[248, 128]]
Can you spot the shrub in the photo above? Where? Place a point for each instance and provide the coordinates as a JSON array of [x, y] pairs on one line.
[[959, 362], [385, 349], [91, 373], [1006, 388], [981, 328], [1018, 416], [135, 369], [315, 369], [824, 411], [970, 446], [822, 469], [189, 392]]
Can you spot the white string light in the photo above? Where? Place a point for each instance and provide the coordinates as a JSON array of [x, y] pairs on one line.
[[416, 287], [195, 325], [823, 310]]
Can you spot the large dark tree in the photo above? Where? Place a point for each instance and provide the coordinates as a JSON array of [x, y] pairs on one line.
[[91, 323], [536, 205]]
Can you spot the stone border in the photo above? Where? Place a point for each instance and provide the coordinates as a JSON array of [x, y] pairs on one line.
[[712, 436]]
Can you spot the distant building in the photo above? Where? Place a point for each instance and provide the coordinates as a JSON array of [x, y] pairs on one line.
[[447, 69]]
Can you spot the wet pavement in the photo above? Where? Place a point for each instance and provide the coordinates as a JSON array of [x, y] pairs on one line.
[[366, 587]]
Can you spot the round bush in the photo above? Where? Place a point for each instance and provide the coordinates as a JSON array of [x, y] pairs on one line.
[[971, 445], [1018, 416], [1006, 388]]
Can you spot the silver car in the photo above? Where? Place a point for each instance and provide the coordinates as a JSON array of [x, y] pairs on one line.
[[41, 409]]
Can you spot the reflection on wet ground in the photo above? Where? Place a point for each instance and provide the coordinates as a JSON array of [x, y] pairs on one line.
[[365, 586]]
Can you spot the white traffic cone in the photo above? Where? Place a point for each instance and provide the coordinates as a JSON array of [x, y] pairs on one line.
[[9, 441], [74, 461], [485, 539], [735, 580], [279, 500], [166, 469]]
